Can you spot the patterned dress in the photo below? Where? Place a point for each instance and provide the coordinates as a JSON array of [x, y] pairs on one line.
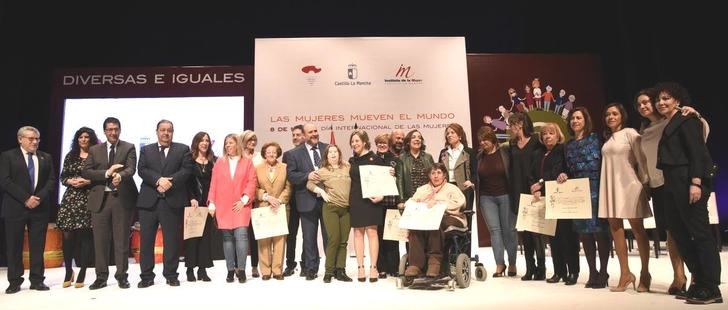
[[73, 213], [584, 160]]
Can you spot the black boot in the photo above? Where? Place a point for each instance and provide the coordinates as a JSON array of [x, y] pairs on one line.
[[191, 274], [571, 279], [593, 276], [340, 274], [241, 276], [540, 274], [530, 270], [202, 275], [327, 277], [555, 278], [230, 276]]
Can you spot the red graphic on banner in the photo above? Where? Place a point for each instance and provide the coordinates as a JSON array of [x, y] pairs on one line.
[[310, 68]]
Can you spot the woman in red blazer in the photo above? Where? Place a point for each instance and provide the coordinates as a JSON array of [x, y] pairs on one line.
[[232, 191]]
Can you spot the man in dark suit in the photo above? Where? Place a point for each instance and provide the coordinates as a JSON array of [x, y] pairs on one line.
[[110, 167], [164, 171], [302, 165], [294, 219], [27, 179]]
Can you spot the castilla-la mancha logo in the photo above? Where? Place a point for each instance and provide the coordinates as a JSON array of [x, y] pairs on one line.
[[311, 73], [403, 74], [352, 73]]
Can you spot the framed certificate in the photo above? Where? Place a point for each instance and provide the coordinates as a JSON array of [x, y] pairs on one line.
[[568, 200], [532, 217]]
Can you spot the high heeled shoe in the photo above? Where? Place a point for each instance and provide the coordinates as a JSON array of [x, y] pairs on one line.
[[512, 270], [645, 281], [499, 271], [68, 279], [80, 278], [677, 291], [623, 286], [373, 269], [360, 276]]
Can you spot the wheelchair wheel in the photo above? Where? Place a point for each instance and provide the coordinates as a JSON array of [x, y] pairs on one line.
[[462, 270], [480, 273], [403, 264]]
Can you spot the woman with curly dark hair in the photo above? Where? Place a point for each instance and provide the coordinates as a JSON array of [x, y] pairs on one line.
[[688, 170], [74, 219]]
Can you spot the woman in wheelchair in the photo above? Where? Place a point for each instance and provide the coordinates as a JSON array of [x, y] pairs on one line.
[[425, 246]]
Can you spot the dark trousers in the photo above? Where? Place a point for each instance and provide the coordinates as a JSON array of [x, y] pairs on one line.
[[14, 232], [337, 221], [533, 244], [78, 244], [253, 246], [198, 251], [150, 219], [688, 224], [112, 221], [309, 227], [388, 260], [565, 249], [294, 220]]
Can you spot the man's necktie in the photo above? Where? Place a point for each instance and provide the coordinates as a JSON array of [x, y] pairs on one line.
[[162, 153], [316, 157], [31, 171], [112, 154]]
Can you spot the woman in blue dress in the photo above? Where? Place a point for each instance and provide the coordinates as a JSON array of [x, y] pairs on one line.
[[583, 160]]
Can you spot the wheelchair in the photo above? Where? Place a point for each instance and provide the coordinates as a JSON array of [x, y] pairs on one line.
[[456, 265]]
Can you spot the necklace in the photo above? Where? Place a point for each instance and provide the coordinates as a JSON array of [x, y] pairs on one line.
[[202, 166]]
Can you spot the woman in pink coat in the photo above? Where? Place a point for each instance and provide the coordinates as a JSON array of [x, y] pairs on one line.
[[232, 190]]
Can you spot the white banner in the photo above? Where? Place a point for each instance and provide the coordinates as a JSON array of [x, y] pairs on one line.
[[375, 84]]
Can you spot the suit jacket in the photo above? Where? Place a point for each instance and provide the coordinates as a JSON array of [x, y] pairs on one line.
[[225, 190], [466, 167], [15, 184], [682, 144], [151, 168], [278, 187], [298, 167], [95, 167]]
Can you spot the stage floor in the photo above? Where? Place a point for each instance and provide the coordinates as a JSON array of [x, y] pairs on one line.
[[296, 293]]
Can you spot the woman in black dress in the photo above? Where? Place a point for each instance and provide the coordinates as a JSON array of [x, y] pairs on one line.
[[366, 213], [198, 251], [74, 219]]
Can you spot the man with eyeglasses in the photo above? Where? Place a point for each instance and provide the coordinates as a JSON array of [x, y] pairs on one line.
[[27, 179]]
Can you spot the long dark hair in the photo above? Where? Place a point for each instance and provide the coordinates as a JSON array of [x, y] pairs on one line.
[[195, 146], [622, 111], [92, 140], [650, 93], [520, 117]]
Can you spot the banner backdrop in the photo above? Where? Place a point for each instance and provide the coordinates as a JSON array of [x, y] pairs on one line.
[[544, 86], [375, 84]]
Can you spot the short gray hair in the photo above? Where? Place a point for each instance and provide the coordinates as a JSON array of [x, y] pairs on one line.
[[27, 128]]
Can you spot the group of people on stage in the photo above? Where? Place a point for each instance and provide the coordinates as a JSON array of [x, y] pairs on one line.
[[667, 159]]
